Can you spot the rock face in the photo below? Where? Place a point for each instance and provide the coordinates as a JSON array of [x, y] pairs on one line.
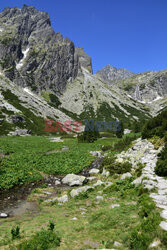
[[148, 87], [109, 73], [32, 54], [84, 60]]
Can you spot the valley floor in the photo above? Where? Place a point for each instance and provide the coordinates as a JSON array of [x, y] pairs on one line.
[[113, 214]]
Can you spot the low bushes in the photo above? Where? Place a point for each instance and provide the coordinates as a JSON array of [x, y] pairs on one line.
[[156, 126], [44, 239], [124, 143], [161, 167], [110, 164], [143, 234]]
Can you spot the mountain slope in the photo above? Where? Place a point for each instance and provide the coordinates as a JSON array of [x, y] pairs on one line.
[[149, 88], [22, 109], [89, 96]]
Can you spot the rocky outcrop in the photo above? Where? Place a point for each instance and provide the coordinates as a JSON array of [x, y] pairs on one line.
[[148, 87], [84, 60], [32, 54], [112, 74]]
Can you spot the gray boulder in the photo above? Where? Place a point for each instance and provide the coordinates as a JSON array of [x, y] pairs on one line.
[[74, 180], [126, 175], [76, 192], [94, 171]]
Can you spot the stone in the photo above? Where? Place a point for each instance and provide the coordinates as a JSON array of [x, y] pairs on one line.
[[63, 199], [57, 182], [95, 153], [127, 131], [154, 244], [74, 180], [108, 184], [74, 218], [105, 173], [65, 148], [126, 175], [3, 215], [92, 178], [76, 192], [163, 225], [98, 183], [138, 181], [94, 171], [20, 132], [114, 205], [100, 192], [82, 209], [117, 244], [93, 245], [56, 139], [99, 198], [164, 214]]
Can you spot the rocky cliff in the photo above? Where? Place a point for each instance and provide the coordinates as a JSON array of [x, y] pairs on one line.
[[32, 54], [149, 88]]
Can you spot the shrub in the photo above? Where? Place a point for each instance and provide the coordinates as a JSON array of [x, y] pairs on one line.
[[51, 225], [15, 232], [44, 239], [138, 170], [120, 131], [89, 135], [142, 234], [107, 147], [54, 100], [156, 126], [110, 164], [161, 167], [124, 143]]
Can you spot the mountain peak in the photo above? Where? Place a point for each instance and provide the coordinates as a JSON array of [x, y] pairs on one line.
[[34, 47], [110, 73]]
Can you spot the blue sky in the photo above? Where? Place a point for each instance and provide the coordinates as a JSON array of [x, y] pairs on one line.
[[128, 34]]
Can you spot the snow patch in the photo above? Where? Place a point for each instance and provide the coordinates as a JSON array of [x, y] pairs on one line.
[[1, 29], [20, 64], [28, 91], [156, 99]]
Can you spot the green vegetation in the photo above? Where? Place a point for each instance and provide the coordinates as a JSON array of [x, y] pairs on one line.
[[89, 135], [161, 167], [114, 167], [44, 239], [32, 122], [143, 233], [28, 158], [134, 222], [54, 100], [120, 130], [157, 126], [15, 232]]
